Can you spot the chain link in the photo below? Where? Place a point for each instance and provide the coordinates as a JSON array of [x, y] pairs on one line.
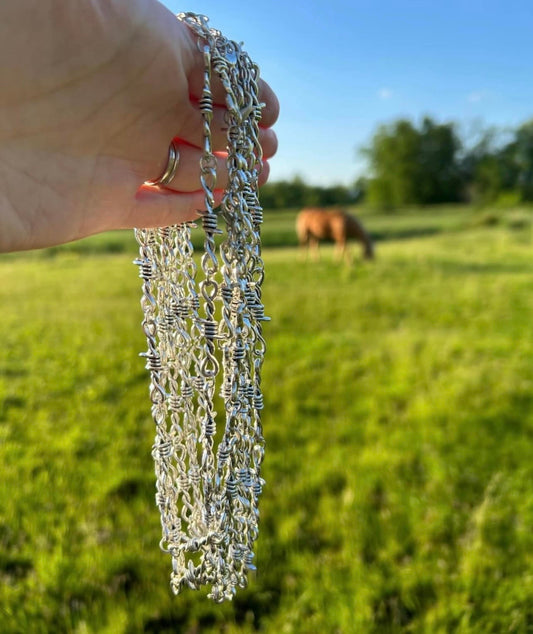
[[203, 326]]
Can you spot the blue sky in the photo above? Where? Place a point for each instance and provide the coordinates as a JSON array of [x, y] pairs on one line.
[[342, 67]]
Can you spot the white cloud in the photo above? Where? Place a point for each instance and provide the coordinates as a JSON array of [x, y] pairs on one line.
[[476, 97], [385, 93]]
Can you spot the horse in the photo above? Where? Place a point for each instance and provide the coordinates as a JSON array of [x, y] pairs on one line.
[[314, 225]]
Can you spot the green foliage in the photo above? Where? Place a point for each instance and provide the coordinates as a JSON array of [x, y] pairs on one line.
[[425, 164], [297, 194], [490, 169], [399, 428], [411, 165], [523, 153]]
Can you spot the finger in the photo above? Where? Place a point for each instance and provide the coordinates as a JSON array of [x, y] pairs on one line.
[[187, 175], [266, 95], [160, 208], [195, 77], [155, 207], [269, 142], [270, 112], [264, 174], [192, 131]]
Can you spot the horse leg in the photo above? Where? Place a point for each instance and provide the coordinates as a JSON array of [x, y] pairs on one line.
[[303, 242], [340, 248], [314, 247], [348, 255]]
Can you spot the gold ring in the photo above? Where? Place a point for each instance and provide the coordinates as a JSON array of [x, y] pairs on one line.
[[170, 169]]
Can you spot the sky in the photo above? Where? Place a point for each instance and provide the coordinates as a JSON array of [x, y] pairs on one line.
[[341, 68]]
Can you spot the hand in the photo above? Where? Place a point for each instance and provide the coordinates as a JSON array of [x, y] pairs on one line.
[[91, 94]]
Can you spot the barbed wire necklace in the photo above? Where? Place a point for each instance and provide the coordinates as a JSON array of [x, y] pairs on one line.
[[205, 345]]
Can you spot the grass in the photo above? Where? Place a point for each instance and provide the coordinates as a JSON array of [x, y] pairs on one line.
[[399, 428]]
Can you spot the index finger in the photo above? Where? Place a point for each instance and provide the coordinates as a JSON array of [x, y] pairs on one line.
[[270, 112], [195, 78]]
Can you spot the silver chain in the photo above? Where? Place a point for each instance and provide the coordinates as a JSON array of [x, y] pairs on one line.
[[203, 325]]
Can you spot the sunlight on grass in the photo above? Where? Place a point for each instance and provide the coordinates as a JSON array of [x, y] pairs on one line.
[[399, 429]]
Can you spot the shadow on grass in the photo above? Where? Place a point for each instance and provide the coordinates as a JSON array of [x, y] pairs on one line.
[[484, 268], [406, 233], [280, 240]]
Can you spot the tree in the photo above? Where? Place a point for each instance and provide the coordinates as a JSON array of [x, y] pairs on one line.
[[297, 194], [411, 165], [523, 150], [440, 179], [489, 166]]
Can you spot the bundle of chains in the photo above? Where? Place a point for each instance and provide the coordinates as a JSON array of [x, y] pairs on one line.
[[205, 346]]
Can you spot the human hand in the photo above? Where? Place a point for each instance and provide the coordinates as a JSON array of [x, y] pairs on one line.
[[91, 95]]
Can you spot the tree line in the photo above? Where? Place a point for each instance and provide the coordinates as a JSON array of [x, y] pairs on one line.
[[297, 193], [423, 164]]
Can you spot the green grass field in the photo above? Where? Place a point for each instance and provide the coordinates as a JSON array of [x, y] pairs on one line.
[[399, 429]]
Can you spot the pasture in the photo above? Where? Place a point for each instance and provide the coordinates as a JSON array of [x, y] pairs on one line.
[[398, 420]]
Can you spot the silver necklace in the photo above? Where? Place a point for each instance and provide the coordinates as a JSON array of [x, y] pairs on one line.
[[205, 346]]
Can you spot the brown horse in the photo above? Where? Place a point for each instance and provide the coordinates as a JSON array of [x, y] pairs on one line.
[[313, 225]]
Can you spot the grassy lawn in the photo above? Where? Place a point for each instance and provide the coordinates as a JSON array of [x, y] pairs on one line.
[[399, 427]]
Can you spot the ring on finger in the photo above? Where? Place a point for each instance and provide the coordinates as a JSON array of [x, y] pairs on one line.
[[170, 169]]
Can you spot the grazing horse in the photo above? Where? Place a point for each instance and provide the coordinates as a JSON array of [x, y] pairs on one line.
[[313, 225]]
